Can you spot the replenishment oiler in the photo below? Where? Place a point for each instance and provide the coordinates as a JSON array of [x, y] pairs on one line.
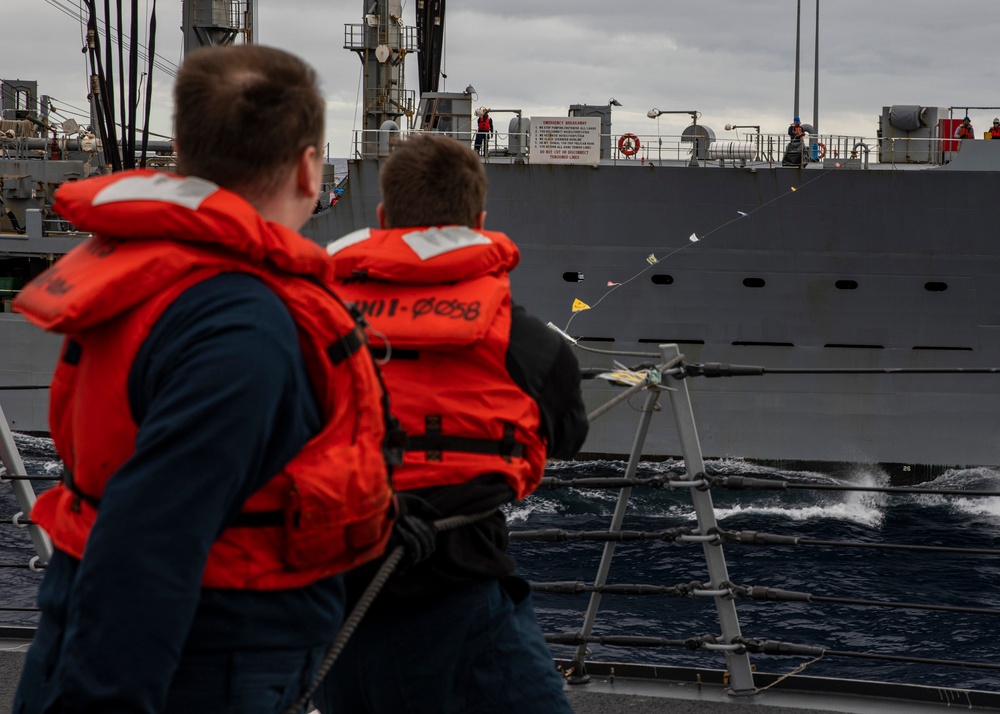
[[863, 254]]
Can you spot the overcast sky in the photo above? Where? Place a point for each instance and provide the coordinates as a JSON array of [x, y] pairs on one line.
[[731, 60]]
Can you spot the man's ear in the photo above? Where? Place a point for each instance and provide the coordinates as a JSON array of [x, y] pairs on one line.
[[480, 221], [380, 212], [309, 172]]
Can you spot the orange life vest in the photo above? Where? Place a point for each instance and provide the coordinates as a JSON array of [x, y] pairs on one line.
[[327, 510], [438, 301], [965, 132], [484, 123]]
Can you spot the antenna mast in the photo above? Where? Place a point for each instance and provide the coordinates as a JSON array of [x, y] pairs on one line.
[[382, 42], [207, 23]]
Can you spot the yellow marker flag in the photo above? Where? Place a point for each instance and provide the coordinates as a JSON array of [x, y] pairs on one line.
[[579, 305]]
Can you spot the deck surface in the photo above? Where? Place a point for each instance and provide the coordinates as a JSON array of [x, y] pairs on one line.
[[631, 695]]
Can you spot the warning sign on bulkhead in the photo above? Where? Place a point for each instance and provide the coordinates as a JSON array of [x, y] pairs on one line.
[[565, 140]]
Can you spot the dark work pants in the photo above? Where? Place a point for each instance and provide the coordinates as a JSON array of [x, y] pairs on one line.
[[476, 650], [482, 142], [261, 682]]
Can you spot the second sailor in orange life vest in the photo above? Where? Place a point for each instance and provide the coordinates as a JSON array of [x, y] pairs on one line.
[[964, 130], [995, 129], [485, 393]]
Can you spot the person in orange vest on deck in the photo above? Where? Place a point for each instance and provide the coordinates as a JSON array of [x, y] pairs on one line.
[[485, 393], [484, 129], [964, 130], [795, 130], [995, 129], [220, 418]]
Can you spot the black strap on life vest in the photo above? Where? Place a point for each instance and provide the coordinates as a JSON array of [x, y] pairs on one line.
[[69, 483], [346, 345], [434, 442]]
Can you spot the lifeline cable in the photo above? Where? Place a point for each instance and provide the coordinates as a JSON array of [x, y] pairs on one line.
[[758, 538], [763, 593], [558, 535], [760, 593], [706, 643], [365, 601], [734, 482]]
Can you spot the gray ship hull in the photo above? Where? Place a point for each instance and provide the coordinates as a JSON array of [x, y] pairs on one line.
[[28, 357], [831, 268]]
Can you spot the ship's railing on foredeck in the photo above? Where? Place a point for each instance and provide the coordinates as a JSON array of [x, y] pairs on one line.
[[668, 380], [626, 148]]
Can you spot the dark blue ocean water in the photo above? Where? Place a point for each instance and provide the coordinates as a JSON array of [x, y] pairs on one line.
[[969, 580]]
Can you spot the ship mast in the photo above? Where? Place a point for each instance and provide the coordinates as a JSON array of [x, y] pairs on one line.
[[430, 42], [382, 42], [208, 23]]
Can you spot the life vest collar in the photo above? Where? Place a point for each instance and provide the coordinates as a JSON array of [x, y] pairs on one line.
[[154, 207], [423, 255], [146, 204]]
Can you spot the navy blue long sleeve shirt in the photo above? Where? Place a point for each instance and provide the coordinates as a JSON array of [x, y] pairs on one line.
[[222, 399]]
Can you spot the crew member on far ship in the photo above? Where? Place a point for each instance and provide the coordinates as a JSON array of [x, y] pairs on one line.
[[995, 129], [964, 130], [484, 128]]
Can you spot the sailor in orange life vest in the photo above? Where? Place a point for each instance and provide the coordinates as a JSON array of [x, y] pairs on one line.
[[484, 128], [485, 393], [995, 129], [220, 418], [964, 130]]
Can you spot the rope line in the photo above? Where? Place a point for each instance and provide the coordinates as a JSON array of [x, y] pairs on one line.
[[792, 673], [712, 370]]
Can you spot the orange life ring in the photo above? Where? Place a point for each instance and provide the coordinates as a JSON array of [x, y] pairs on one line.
[[629, 144], [822, 152]]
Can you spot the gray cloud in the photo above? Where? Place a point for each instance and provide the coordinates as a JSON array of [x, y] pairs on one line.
[[732, 60]]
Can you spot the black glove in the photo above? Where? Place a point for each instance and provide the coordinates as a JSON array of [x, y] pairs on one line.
[[413, 530]]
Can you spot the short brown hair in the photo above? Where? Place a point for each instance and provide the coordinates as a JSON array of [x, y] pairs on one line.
[[432, 180], [243, 113]]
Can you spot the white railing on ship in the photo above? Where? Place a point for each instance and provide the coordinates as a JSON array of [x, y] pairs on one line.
[[735, 148]]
